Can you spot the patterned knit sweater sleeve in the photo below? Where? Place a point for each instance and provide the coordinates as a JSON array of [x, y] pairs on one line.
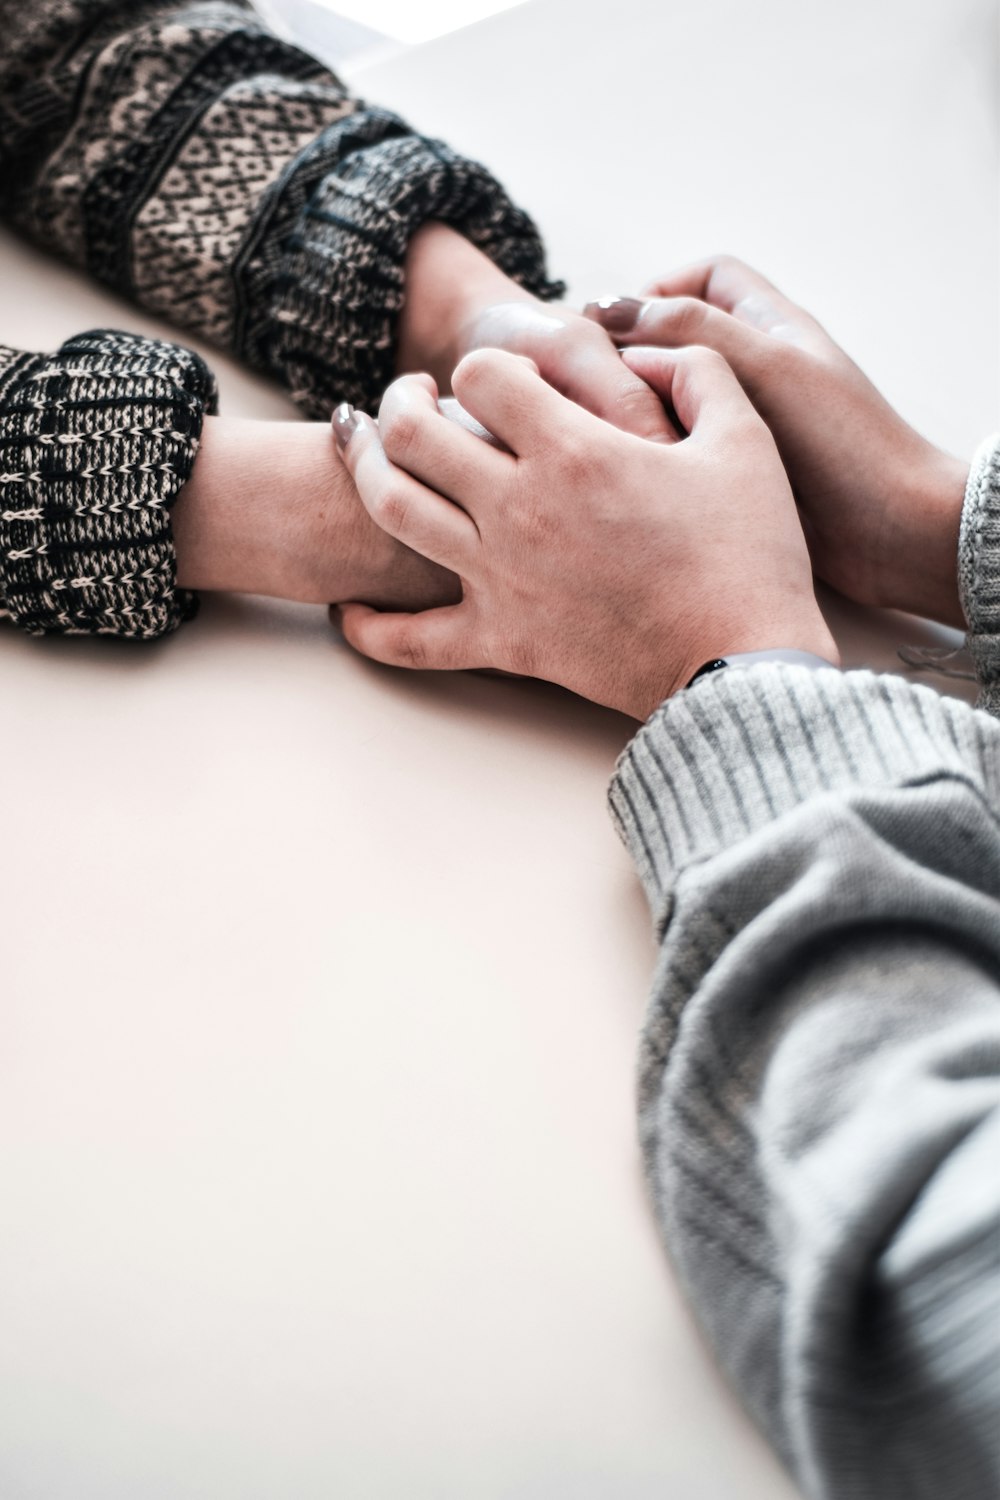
[[96, 442], [819, 1091], [226, 180]]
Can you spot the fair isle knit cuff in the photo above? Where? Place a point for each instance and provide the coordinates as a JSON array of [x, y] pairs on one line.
[[741, 749], [322, 306], [979, 570], [96, 441]]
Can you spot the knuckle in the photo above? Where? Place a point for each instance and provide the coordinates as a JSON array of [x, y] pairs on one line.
[[409, 652], [633, 398], [390, 509], [706, 361], [400, 432], [688, 315], [474, 366]]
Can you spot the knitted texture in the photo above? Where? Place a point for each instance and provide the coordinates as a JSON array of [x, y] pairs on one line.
[[739, 748], [95, 443], [819, 1075], [979, 570], [225, 179]]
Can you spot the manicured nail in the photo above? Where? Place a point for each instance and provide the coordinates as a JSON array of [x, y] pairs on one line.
[[616, 314], [345, 423]]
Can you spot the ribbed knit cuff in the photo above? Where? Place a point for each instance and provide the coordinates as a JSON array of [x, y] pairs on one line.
[[96, 441], [741, 749], [329, 295], [979, 569]]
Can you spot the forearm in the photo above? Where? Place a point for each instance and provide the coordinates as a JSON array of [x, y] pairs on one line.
[[821, 1060], [227, 181], [270, 509]]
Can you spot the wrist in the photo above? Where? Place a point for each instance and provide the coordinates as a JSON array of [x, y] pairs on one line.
[[262, 500], [922, 576], [802, 633], [448, 282], [740, 661], [270, 509]]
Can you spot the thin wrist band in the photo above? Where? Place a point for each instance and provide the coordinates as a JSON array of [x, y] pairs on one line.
[[752, 658]]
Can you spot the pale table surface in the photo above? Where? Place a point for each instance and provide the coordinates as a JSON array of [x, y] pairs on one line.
[[318, 1172]]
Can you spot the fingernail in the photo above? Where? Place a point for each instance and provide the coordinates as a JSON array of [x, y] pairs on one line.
[[344, 423], [616, 314]]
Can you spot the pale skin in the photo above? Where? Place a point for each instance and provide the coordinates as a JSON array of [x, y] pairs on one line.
[[269, 509], [880, 505], [596, 559], [616, 566]]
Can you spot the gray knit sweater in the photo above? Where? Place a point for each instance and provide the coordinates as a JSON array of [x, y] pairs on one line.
[[183, 154], [819, 1086]]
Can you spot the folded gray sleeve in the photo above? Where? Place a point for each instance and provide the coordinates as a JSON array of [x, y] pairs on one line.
[[820, 1062], [819, 1080]]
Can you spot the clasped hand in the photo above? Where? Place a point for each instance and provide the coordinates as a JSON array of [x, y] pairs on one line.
[[615, 561], [603, 561]]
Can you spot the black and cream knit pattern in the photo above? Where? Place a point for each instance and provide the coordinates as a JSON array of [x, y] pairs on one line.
[[96, 441], [226, 180]]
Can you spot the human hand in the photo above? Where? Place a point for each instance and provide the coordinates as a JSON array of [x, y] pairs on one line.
[[880, 505], [457, 300], [590, 557], [270, 509]]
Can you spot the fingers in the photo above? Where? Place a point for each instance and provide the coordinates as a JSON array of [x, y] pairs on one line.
[[455, 412], [400, 504], [700, 385], [677, 322], [434, 641], [722, 280], [701, 304], [589, 372], [509, 398], [445, 455]]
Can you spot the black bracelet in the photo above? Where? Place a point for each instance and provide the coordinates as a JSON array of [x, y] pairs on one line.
[[717, 664]]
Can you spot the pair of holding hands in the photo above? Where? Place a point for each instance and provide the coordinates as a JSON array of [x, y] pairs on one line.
[[601, 548]]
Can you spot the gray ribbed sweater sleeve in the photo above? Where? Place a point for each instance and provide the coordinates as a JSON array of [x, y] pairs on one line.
[[820, 1065]]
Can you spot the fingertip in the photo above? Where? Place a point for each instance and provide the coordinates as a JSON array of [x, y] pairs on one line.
[[349, 427], [616, 315], [351, 619], [487, 363]]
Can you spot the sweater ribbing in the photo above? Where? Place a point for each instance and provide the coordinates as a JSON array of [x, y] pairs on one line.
[[96, 442]]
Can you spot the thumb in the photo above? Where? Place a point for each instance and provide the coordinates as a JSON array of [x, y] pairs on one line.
[[697, 382], [431, 641]]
